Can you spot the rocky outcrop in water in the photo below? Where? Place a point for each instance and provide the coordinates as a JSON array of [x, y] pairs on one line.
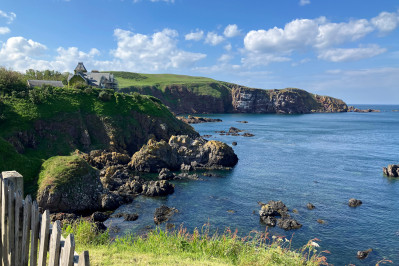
[[362, 254], [183, 150], [354, 202], [357, 110], [197, 120], [392, 170], [163, 214], [273, 209]]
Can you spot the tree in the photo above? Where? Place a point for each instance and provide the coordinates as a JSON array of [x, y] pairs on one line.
[[11, 81]]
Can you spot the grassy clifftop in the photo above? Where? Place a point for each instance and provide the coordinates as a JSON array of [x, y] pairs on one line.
[[38, 124]]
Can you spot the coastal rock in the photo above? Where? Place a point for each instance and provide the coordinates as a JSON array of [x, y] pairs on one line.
[[183, 150], [310, 206], [158, 188], [99, 216], [288, 224], [165, 174], [163, 214], [357, 110], [197, 120], [234, 130], [243, 122], [269, 220], [76, 188], [246, 134], [130, 216], [392, 170], [363, 254], [101, 159], [354, 202], [111, 201], [234, 143]]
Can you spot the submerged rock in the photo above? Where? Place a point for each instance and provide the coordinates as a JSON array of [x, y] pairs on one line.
[[163, 214], [363, 254], [310, 206], [392, 170], [269, 211], [183, 150], [354, 202]]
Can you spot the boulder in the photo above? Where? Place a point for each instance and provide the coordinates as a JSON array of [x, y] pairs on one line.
[[246, 134], [165, 174], [130, 216], [234, 130], [392, 170], [268, 220], [99, 217], [157, 188], [163, 214], [354, 202], [288, 224], [234, 143], [101, 159]]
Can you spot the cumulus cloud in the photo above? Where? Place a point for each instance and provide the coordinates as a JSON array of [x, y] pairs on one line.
[[320, 35], [228, 47], [8, 16], [353, 54], [386, 22], [304, 2], [231, 31], [225, 58], [4, 30], [254, 59], [213, 38], [152, 53], [194, 36]]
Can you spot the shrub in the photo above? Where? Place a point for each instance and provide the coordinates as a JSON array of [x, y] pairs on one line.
[[104, 96]]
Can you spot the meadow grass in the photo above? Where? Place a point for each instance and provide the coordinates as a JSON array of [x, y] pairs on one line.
[[179, 247]]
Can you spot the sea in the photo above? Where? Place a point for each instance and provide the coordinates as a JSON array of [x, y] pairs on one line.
[[324, 159]]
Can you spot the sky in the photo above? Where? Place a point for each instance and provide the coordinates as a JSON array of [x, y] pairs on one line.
[[345, 49]]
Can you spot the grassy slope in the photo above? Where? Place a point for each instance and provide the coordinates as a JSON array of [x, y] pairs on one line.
[[179, 247], [20, 114], [199, 85]]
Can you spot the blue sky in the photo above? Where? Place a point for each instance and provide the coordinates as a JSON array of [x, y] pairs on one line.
[[346, 49]]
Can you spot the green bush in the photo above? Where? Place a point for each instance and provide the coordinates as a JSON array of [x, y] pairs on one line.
[[104, 96]]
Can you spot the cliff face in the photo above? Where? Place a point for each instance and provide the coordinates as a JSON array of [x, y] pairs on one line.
[[183, 99], [286, 101]]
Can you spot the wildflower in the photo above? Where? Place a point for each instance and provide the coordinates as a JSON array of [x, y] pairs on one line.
[[286, 240], [315, 244], [274, 237]]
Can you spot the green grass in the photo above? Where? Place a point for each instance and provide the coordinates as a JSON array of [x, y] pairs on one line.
[[179, 247], [118, 114], [197, 85]]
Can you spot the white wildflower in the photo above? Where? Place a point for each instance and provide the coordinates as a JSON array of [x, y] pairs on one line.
[[314, 244]]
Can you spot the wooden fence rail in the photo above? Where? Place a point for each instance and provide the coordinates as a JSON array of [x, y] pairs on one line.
[[27, 235]]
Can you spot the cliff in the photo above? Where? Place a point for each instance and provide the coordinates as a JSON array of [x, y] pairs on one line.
[[185, 94], [50, 122]]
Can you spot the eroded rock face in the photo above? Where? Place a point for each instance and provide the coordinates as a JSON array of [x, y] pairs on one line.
[[183, 150], [392, 170]]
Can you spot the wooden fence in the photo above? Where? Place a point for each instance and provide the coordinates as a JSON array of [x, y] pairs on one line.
[[27, 235]]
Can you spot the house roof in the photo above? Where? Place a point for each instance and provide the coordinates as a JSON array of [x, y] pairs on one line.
[[80, 68], [95, 78], [39, 83]]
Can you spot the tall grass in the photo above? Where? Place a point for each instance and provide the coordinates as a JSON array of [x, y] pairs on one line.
[[200, 247]]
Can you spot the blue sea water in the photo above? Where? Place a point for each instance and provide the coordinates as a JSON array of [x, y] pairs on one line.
[[325, 159]]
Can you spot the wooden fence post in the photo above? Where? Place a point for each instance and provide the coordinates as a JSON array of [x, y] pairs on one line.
[[68, 251], [4, 215], [55, 247], [18, 226], [16, 178], [26, 230], [44, 238], [84, 259], [34, 236]]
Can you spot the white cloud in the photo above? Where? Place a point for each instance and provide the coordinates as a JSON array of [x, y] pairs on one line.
[[8, 16], [228, 47], [225, 58], [152, 53], [194, 36], [4, 30], [304, 2], [213, 38], [386, 22], [231, 31], [353, 54]]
